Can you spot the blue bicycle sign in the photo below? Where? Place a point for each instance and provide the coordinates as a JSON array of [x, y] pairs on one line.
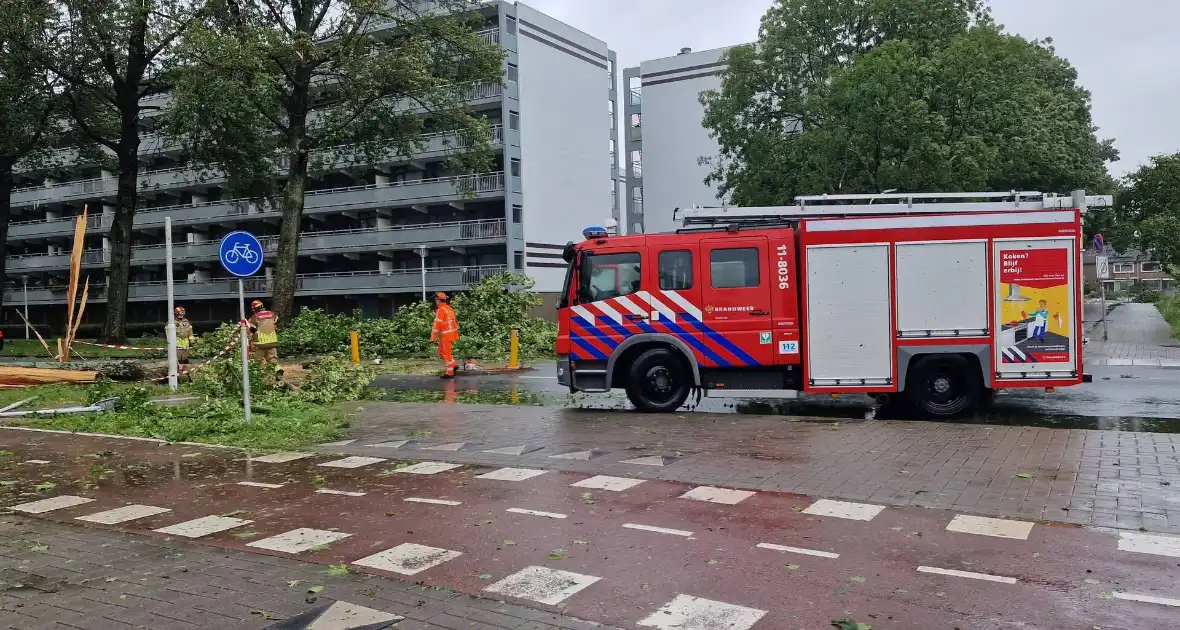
[[241, 254]]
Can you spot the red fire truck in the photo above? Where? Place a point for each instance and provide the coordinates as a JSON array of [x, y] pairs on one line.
[[936, 299]]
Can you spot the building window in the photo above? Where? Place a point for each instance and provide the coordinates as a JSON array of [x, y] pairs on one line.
[[610, 107], [1124, 267], [675, 270], [612, 151], [518, 260], [517, 213], [1151, 267], [514, 167], [513, 120], [510, 25], [637, 193], [606, 276], [735, 268], [636, 120], [512, 74]]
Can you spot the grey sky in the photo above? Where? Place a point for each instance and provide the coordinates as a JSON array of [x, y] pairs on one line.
[[1124, 51]]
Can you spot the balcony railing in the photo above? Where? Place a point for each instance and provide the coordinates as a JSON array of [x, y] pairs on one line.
[[636, 97], [490, 35]]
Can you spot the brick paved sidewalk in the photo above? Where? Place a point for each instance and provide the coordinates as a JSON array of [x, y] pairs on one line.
[[1138, 335], [63, 577], [1099, 478]]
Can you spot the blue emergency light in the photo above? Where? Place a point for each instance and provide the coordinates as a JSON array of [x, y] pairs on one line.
[[594, 232]]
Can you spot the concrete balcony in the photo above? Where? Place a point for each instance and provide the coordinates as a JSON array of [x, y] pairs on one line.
[[409, 193], [168, 178], [355, 283]]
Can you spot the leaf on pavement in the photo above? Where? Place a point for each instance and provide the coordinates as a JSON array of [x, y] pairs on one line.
[[45, 485], [293, 583], [314, 589], [245, 535], [1023, 476], [509, 543], [850, 624], [792, 566], [557, 554], [336, 570], [858, 579]]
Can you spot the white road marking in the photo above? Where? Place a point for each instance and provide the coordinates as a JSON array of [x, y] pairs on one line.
[[203, 526], [717, 495], [298, 540], [123, 514], [428, 468], [800, 550], [653, 460], [844, 509], [432, 501], [603, 482], [1150, 543], [343, 615], [658, 530], [968, 574], [575, 455], [259, 484], [281, 458], [535, 513], [695, 613], [393, 444], [998, 527], [1147, 599], [511, 474], [343, 493], [340, 443], [37, 461], [352, 462], [542, 584], [453, 446], [408, 559], [49, 505]]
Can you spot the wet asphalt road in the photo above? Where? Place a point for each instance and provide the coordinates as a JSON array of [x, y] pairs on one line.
[[1119, 399]]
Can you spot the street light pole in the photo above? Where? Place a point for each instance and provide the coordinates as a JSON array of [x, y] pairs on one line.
[[422, 254], [24, 280]]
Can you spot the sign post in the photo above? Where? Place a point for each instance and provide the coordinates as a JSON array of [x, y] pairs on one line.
[[241, 255], [1102, 267]]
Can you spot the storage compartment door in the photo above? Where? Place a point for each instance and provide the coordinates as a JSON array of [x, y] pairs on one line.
[[849, 328], [1036, 303], [942, 289]]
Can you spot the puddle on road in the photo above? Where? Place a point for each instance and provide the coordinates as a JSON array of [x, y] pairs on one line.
[[1008, 410]]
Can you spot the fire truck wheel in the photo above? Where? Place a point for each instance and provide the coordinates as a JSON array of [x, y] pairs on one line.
[[944, 385], [658, 381]]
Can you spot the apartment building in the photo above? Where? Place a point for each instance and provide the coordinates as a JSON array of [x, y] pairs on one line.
[[372, 232], [1127, 269], [664, 138]]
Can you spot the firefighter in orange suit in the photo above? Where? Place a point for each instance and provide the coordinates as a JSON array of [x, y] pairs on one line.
[[445, 332], [264, 324]]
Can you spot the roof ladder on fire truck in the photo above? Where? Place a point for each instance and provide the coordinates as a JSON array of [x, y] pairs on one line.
[[837, 206]]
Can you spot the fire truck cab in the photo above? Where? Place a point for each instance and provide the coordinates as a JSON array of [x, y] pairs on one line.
[[939, 299]]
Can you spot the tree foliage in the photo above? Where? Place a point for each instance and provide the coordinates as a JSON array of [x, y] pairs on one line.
[[1147, 210], [273, 90], [862, 96], [110, 55], [29, 100]]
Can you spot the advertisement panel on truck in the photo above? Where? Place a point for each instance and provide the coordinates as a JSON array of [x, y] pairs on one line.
[[1035, 305]]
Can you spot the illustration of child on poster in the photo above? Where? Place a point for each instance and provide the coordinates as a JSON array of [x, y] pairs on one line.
[[1034, 305]]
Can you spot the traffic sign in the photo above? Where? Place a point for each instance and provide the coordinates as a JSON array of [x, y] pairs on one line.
[[1102, 264], [1099, 244], [241, 254]]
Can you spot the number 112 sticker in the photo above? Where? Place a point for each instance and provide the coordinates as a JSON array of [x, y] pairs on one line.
[[788, 347]]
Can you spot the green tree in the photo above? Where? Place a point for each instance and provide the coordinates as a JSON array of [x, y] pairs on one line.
[[1147, 210], [861, 97], [28, 99], [274, 90], [112, 54]]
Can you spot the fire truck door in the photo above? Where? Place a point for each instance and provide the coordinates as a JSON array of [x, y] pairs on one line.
[[736, 301]]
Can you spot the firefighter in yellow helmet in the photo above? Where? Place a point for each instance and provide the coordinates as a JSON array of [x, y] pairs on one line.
[[184, 335], [264, 324], [446, 332]]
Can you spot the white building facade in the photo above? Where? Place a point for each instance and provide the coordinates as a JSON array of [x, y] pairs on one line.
[[665, 140]]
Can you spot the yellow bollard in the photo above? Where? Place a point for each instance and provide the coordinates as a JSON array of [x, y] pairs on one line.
[[514, 350], [356, 347]]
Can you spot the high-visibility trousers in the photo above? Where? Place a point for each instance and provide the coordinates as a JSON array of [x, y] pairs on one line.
[[445, 352]]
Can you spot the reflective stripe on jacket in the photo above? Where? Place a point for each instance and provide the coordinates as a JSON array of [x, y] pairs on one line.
[[265, 324], [445, 326]]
